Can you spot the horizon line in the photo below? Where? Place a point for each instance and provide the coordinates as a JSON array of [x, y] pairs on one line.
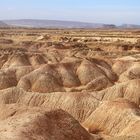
[[68, 21]]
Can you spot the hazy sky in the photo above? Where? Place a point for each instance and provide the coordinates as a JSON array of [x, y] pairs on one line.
[[98, 11]]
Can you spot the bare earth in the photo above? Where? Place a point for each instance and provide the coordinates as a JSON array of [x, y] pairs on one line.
[[70, 84]]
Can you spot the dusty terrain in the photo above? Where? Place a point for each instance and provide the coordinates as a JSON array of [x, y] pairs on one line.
[[69, 84]]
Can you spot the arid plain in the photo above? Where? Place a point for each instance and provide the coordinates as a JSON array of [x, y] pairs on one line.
[[74, 84]]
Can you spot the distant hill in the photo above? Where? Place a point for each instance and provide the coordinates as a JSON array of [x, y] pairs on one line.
[[35, 23], [54, 24], [129, 26], [2, 24]]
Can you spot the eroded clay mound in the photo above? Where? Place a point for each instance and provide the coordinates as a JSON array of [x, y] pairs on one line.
[[55, 72], [129, 90], [115, 118], [124, 138], [79, 76], [127, 68], [79, 105], [52, 80], [24, 123], [7, 80]]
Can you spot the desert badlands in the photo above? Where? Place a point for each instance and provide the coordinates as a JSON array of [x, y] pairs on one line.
[[69, 84]]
